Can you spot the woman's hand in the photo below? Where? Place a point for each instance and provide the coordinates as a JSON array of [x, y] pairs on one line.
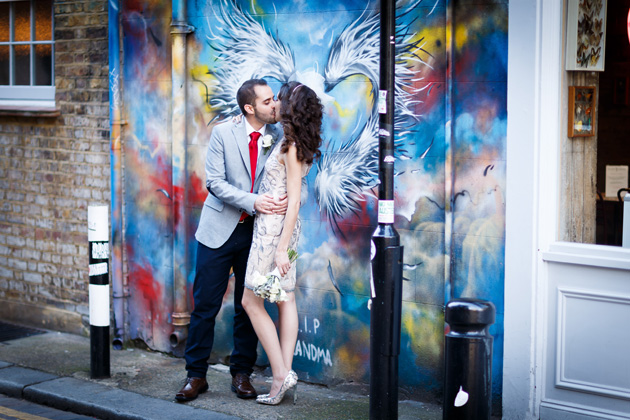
[[282, 262]]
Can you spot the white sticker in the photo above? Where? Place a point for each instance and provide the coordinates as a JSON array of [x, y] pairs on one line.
[[100, 250], [382, 102], [98, 269], [372, 289], [386, 211], [461, 398], [99, 305]]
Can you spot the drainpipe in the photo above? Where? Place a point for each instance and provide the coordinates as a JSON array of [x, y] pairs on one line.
[[180, 317], [115, 104], [449, 151]]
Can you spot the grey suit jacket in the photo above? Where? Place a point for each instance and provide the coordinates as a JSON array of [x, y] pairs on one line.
[[228, 177]]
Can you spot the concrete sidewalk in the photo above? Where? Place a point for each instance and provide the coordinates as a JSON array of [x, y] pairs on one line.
[[54, 369]]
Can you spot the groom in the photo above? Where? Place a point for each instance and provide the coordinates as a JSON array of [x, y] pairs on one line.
[[224, 236]]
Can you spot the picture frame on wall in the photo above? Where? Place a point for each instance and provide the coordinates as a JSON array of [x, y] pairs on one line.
[[586, 35], [582, 111]]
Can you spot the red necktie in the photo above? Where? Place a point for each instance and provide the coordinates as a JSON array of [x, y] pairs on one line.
[[253, 159], [253, 154]]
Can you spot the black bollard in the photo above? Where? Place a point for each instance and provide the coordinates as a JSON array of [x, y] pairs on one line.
[[468, 360], [98, 292]]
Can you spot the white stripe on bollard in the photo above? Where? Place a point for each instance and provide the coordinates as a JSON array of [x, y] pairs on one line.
[[98, 221], [99, 305]]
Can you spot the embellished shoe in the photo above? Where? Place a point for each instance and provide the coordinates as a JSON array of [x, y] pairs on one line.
[[290, 381]]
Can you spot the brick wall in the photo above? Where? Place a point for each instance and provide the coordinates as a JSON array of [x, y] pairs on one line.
[[51, 169]]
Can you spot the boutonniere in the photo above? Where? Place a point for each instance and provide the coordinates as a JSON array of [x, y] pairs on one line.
[[267, 141]]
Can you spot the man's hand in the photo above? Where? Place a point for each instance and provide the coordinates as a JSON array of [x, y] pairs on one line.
[[265, 203], [281, 205]]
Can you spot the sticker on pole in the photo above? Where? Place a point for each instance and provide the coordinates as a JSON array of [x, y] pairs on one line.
[[382, 102], [461, 398], [97, 269], [386, 211]]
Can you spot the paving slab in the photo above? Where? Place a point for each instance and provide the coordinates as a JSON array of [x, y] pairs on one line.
[[13, 380]]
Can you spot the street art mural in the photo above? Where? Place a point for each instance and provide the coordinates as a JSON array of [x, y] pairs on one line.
[[450, 121]]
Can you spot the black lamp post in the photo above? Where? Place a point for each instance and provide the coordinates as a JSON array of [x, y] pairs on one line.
[[387, 252]]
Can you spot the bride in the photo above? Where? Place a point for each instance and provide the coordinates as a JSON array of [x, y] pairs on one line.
[[276, 235]]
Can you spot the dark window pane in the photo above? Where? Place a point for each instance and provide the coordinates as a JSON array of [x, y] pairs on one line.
[[22, 27], [43, 20], [4, 21], [4, 64], [43, 65], [22, 61]]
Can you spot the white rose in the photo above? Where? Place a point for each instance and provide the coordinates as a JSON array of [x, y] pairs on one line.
[[283, 296], [275, 289], [258, 280], [267, 140]]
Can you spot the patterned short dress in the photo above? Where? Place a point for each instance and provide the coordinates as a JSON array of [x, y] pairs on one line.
[[268, 227]]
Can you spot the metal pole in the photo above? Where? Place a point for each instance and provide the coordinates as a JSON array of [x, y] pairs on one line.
[[387, 253], [98, 239]]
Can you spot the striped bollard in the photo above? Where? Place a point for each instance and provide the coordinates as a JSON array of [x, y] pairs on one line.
[[98, 238]]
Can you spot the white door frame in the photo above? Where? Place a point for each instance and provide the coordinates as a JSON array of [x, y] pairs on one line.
[[533, 179]]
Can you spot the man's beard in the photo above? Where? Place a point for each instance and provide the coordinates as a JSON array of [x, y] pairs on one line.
[[265, 119]]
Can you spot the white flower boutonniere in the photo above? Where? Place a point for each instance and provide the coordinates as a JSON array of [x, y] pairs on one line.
[[267, 141]]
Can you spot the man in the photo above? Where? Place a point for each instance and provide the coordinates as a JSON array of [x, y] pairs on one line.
[[224, 236]]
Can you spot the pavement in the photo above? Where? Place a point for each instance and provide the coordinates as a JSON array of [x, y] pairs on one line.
[[54, 369]]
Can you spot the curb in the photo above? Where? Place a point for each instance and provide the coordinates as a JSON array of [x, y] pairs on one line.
[[88, 398]]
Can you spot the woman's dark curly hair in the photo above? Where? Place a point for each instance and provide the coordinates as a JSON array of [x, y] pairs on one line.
[[301, 116]]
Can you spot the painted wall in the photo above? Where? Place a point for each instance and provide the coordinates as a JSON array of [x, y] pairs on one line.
[[450, 168]]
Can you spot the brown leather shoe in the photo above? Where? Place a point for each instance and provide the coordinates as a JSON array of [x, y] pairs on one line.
[[191, 389], [242, 386]]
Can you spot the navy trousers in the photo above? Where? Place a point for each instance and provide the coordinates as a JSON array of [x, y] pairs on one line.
[[211, 282]]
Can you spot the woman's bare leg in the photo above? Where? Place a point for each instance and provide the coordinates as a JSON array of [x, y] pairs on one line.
[[288, 320], [268, 336]]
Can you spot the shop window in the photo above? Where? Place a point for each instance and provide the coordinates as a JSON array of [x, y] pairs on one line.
[[26, 54], [613, 133], [595, 166]]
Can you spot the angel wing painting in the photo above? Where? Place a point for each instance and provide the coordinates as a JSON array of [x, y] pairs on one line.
[[244, 48]]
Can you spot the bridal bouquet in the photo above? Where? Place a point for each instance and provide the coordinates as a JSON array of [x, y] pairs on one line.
[[268, 286]]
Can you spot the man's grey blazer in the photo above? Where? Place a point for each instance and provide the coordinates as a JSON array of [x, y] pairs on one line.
[[228, 178]]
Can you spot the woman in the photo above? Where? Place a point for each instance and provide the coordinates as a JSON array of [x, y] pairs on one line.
[[300, 112]]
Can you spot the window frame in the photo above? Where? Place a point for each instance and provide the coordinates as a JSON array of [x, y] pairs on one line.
[[28, 96]]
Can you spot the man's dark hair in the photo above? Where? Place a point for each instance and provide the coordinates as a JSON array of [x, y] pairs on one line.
[[246, 94]]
